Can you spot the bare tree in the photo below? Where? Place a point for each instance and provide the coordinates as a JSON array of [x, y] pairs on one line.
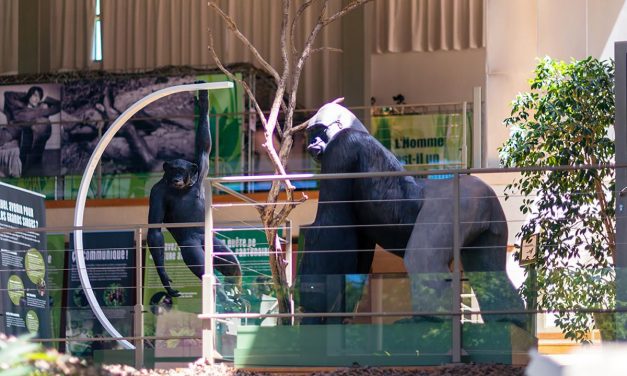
[[274, 213]]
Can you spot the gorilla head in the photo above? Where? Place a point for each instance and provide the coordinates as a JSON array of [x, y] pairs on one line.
[[326, 123], [180, 174]]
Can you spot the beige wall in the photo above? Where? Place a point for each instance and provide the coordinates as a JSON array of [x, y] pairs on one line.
[[511, 50], [607, 23], [519, 31], [427, 77]]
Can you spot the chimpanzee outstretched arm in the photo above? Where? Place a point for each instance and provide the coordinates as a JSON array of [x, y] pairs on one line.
[[156, 244], [203, 136], [225, 260]]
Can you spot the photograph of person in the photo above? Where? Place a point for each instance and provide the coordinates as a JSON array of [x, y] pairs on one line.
[[29, 130]]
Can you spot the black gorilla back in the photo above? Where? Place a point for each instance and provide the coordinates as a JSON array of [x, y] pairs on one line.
[[384, 207], [353, 216]]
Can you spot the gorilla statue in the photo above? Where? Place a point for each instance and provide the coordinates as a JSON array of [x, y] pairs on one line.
[[410, 217], [179, 197]]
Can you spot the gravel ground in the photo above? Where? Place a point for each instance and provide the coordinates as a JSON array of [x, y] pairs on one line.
[[202, 368]]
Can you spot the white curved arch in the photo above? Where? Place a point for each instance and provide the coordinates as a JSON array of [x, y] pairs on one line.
[[86, 180]]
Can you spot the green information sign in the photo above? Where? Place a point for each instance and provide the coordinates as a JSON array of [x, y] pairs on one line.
[[16, 289], [35, 266], [172, 317], [251, 247], [178, 316], [32, 322], [424, 140], [56, 269]]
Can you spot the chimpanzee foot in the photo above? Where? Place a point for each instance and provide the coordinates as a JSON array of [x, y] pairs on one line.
[[172, 292]]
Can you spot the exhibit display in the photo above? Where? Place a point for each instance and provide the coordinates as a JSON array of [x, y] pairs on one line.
[[85, 183], [410, 217], [179, 197], [394, 318]]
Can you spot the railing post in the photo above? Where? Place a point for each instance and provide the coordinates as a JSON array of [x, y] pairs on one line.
[[620, 127], [289, 266], [464, 148], [456, 349], [477, 137], [138, 313], [217, 145], [208, 296]]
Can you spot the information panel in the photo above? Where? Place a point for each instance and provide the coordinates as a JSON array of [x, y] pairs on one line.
[[110, 263], [425, 141], [24, 295], [178, 316]]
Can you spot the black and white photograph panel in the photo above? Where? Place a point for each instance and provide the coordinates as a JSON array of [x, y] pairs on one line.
[[161, 131], [30, 118]]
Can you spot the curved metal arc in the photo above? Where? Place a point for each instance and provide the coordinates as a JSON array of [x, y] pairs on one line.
[[86, 180]]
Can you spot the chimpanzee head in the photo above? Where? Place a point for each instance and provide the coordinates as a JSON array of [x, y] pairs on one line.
[[180, 173], [325, 124]]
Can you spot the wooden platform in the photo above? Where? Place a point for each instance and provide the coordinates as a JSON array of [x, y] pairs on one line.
[[554, 343]]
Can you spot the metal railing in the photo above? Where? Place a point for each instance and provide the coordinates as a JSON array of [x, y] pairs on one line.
[[209, 316], [457, 312]]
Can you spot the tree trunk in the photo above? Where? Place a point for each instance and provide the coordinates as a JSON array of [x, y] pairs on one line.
[[279, 277], [606, 323]]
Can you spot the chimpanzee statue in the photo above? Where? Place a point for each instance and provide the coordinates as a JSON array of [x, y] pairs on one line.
[[179, 197], [410, 217]]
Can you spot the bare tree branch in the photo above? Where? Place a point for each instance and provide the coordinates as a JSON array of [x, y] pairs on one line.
[[284, 54], [236, 79], [230, 23], [274, 158], [297, 16], [300, 127], [285, 211], [349, 7], [277, 162], [284, 49], [269, 132], [295, 76], [273, 213]]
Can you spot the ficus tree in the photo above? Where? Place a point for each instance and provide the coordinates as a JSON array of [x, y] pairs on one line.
[[286, 78], [566, 119]]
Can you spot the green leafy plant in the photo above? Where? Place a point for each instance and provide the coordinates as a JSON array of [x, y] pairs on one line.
[[566, 120], [16, 354], [20, 357]]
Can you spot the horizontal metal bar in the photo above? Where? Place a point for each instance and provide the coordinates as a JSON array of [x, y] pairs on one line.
[[102, 227], [393, 314], [104, 339], [358, 175], [234, 193]]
